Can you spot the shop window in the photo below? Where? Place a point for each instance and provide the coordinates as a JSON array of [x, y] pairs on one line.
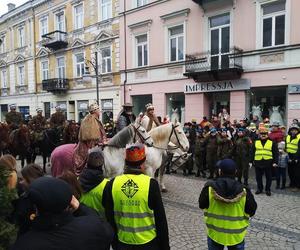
[[139, 102], [268, 102], [176, 106], [63, 107], [83, 109], [107, 110]]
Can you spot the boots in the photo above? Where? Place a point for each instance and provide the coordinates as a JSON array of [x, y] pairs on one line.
[[283, 184]]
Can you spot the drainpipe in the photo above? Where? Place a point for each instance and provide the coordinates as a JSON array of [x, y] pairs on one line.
[[34, 56], [125, 44]]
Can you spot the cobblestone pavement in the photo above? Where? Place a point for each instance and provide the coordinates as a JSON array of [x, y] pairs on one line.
[[276, 224]]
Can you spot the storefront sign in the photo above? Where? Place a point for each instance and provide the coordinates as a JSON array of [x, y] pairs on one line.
[[230, 85], [294, 89], [294, 105]]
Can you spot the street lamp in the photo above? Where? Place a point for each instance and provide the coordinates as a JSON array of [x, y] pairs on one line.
[[87, 77]]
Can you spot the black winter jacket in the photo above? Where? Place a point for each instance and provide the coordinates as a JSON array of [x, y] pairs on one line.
[[66, 232]]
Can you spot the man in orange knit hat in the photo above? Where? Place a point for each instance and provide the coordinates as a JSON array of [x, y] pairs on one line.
[[133, 206]]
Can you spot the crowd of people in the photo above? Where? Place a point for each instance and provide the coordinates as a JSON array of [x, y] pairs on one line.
[[272, 149]]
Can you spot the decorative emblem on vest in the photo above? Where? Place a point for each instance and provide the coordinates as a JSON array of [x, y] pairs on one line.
[[130, 188]]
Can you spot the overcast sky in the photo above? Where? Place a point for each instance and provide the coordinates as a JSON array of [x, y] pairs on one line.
[[3, 5]]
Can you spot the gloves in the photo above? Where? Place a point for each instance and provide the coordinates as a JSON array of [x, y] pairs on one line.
[[275, 165], [250, 165]]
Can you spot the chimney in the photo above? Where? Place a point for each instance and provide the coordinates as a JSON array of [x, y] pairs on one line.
[[10, 6]]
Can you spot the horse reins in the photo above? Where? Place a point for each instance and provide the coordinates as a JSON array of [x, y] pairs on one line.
[[136, 132]]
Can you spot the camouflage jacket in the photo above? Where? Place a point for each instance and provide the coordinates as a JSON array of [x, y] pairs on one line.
[[38, 122], [14, 118]]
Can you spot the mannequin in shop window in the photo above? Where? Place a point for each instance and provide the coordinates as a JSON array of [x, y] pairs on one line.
[[149, 120], [275, 116], [224, 116]]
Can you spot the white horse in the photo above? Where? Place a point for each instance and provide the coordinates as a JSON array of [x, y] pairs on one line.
[[162, 136], [114, 151]]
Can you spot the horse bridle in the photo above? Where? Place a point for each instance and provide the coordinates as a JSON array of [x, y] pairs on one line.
[[137, 132], [176, 135]]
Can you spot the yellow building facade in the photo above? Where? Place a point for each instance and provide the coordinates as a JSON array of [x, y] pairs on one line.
[[46, 49]]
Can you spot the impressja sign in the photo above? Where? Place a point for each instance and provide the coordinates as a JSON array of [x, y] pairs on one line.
[[230, 85]]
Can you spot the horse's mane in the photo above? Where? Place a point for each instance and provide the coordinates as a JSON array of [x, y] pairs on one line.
[[160, 134], [121, 138]]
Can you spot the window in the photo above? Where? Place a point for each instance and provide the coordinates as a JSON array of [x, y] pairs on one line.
[[21, 34], [142, 50], [2, 44], [61, 73], [78, 14], [44, 26], [273, 24], [176, 43], [21, 75], [106, 60], [107, 110], [141, 2], [106, 9], [4, 79], [79, 60], [45, 70], [60, 21]]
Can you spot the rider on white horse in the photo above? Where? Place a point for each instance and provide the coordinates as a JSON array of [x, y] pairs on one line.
[[149, 120]]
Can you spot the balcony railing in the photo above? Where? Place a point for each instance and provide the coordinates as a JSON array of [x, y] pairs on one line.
[[56, 85], [55, 40], [218, 66]]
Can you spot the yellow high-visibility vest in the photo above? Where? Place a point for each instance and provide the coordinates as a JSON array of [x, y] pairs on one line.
[[263, 152], [133, 217], [226, 222], [292, 145]]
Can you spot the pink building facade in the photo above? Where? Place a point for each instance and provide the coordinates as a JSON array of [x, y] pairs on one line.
[[193, 58]]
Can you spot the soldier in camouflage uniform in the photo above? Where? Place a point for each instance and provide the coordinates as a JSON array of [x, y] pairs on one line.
[[37, 125], [200, 154], [57, 119], [225, 145], [13, 118], [241, 154], [211, 152]]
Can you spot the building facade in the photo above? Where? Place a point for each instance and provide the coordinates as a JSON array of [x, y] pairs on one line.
[[194, 58], [47, 47]]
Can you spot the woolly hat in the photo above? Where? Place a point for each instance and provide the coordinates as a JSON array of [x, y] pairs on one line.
[[12, 106], [213, 130], [227, 166], [294, 126], [95, 158], [39, 110], [135, 155], [50, 195]]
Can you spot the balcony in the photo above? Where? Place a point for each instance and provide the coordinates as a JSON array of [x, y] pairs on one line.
[[213, 4], [56, 85], [207, 67], [55, 40]]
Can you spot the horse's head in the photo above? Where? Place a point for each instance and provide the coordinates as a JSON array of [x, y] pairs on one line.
[[142, 134], [178, 137]]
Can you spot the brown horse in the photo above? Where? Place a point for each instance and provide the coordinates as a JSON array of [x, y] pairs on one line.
[[71, 133], [19, 144], [4, 138]]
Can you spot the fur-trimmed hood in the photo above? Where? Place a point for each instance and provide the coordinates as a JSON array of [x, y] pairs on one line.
[[227, 189]]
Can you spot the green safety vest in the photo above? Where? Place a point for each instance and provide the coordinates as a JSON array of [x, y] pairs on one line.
[[263, 152], [292, 145], [134, 219], [226, 222], [93, 198]]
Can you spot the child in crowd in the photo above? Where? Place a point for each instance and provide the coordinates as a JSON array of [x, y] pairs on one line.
[[282, 166]]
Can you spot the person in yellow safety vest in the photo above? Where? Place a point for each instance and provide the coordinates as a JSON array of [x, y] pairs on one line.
[[292, 144], [264, 156], [227, 205], [93, 182], [134, 208]]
